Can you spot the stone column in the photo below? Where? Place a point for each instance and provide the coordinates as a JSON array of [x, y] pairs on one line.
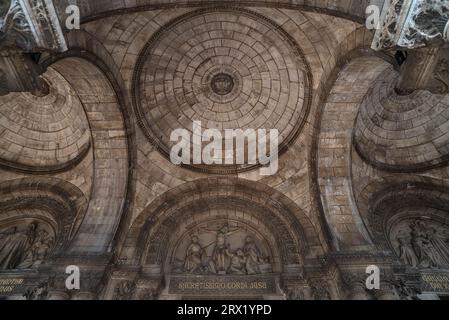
[[412, 24], [357, 291], [31, 25], [356, 286], [58, 295], [84, 295]]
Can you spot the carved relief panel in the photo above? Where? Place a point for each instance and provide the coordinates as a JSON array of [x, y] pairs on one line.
[[24, 245], [221, 248], [421, 243]]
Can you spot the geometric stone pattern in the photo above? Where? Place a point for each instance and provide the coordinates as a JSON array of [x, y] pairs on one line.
[[142, 227], [178, 69], [43, 133], [338, 118], [110, 153], [102, 8], [402, 133]]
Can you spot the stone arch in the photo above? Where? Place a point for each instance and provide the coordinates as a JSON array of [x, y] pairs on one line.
[[356, 46], [91, 72], [351, 10], [265, 234], [374, 198], [152, 228]]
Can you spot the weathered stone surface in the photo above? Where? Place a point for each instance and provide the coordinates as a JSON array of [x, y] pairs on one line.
[[141, 227]]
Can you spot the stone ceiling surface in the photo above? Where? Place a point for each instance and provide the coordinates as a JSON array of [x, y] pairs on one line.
[[93, 155], [226, 69], [43, 133], [402, 133]]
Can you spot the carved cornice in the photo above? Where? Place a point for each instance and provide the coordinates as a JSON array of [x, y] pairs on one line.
[[412, 24], [31, 25]]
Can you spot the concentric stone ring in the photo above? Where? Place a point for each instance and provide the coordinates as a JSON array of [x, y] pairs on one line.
[[228, 69]]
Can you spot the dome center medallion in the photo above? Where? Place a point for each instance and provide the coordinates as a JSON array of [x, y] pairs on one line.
[[222, 84]]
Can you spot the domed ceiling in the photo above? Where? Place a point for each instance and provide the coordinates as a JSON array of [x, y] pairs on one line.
[[226, 69], [46, 133], [402, 132]]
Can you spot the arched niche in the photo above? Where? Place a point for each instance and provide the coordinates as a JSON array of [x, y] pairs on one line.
[[219, 218], [39, 217], [411, 221]]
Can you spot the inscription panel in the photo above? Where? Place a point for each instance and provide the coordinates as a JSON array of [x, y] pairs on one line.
[[435, 282], [223, 285]]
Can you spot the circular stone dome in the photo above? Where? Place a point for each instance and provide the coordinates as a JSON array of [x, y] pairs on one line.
[[402, 133], [43, 134], [228, 69]]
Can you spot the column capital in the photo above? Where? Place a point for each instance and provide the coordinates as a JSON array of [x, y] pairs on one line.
[[31, 25], [412, 24]]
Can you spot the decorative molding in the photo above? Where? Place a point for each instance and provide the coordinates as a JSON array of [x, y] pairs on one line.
[[412, 24], [32, 25], [143, 122]]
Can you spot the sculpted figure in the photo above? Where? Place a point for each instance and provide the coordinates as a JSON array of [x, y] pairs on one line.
[[38, 250], [406, 253], [219, 256], [429, 247], [238, 262], [439, 246], [15, 245], [193, 260], [420, 245], [253, 256]]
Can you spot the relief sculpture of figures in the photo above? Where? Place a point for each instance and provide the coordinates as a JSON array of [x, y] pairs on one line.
[[23, 249], [406, 252], [238, 262], [222, 256], [254, 258], [424, 245], [193, 261]]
